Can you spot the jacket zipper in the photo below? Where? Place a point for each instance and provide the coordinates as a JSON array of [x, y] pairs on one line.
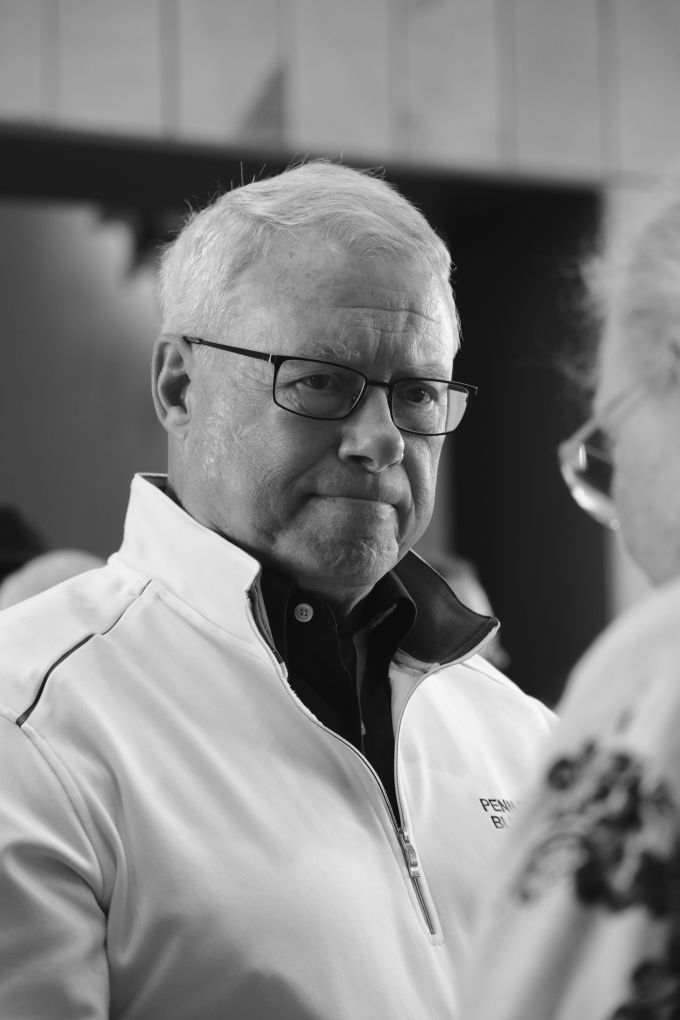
[[408, 850], [406, 846], [413, 868]]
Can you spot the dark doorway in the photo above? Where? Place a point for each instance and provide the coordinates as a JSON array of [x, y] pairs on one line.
[[518, 250]]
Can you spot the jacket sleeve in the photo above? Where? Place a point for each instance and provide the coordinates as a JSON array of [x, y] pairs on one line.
[[52, 927]]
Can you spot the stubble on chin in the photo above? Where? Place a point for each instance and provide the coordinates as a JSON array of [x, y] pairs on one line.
[[356, 561], [351, 549]]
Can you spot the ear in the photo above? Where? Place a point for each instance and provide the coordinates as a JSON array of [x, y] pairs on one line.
[[171, 372]]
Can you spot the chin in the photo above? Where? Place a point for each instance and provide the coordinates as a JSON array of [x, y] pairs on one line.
[[362, 561], [660, 568], [652, 541]]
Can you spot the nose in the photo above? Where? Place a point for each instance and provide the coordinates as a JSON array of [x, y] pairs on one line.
[[370, 436]]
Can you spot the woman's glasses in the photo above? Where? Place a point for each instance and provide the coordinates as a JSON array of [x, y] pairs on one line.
[[586, 459]]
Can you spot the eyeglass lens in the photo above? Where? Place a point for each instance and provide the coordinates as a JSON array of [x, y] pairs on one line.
[[314, 389], [588, 471]]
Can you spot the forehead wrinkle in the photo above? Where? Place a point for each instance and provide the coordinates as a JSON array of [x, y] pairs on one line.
[[406, 312], [402, 323], [349, 341]]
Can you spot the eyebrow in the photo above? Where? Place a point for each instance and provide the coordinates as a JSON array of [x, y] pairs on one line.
[[341, 352], [428, 371], [335, 353]]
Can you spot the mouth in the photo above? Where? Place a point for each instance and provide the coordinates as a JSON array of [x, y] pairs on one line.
[[361, 499], [365, 504]]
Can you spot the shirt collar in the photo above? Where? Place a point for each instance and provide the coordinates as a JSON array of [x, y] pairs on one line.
[[445, 630], [387, 596]]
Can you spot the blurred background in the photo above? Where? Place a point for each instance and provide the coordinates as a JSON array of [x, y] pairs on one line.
[[522, 129]]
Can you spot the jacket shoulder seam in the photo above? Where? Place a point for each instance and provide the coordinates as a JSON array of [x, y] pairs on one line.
[[25, 715]]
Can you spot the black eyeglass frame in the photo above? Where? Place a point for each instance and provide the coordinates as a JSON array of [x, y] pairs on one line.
[[279, 359]]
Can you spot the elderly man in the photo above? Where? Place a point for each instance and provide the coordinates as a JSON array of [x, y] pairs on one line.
[[586, 920], [254, 767]]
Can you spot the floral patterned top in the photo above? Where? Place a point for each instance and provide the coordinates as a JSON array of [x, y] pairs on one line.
[[582, 920]]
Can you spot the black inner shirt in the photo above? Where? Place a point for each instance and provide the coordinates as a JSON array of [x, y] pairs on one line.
[[340, 670]]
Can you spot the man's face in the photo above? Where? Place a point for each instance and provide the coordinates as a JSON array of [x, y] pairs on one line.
[[335, 504], [646, 453]]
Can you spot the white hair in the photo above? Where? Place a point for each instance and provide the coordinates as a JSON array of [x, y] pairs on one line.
[[635, 284], [362, 212]]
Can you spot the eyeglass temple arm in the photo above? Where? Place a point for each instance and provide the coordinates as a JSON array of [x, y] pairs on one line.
[[225, 347]]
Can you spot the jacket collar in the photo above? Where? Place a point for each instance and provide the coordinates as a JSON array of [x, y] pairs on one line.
[[190, 561], [444, 630]]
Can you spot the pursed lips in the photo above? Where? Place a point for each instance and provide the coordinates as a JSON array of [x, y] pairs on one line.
[[377, 498]]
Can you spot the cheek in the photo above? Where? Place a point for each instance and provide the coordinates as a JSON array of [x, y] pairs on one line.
[[421, 463], [645, 502], [628, 485], [268, 463], [218, 444]]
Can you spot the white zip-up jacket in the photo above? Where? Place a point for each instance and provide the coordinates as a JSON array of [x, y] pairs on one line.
[[181, 839]]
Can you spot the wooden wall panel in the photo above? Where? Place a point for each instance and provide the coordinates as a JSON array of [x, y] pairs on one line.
[[646, 85], [109, 75], [232, 79], [450, 71], [21, 59], [579, 88], [339, 81], [557, 52]]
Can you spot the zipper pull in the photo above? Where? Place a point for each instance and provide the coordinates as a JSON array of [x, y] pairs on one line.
[[409, 852]]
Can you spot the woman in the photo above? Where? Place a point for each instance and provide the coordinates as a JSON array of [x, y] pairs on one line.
[[584, 922]]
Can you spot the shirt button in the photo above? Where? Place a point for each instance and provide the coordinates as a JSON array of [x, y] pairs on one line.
[[303, 613]]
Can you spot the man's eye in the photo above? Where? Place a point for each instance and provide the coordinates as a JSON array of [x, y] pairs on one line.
[[320, 382], [418, 395]]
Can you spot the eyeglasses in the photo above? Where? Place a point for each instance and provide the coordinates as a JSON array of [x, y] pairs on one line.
[[586, 459], [313, 388], [588, 469]]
